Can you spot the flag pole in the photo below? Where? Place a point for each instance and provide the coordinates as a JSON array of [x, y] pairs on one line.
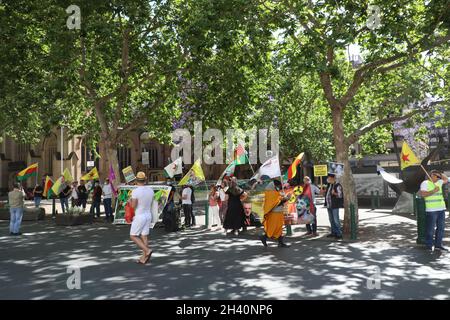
[[429, 177], [251, 167]]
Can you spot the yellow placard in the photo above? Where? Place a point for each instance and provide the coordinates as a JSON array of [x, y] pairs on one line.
[[320, 170]]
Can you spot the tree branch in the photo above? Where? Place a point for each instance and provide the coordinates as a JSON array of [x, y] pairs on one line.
[[82, 72], [354, 137]]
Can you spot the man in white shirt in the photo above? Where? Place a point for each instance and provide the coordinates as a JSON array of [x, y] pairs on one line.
[[74, 194], [186, 201], [141, 201], [431, 191], [107, 199]]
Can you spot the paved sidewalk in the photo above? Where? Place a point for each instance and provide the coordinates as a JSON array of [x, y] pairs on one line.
[[202, 264]]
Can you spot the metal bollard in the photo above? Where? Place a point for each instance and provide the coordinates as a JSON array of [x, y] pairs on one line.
[[288, 230], [353, 226], [421, 220], [372, 200], [206, 214], [415, 203], [377, 200]]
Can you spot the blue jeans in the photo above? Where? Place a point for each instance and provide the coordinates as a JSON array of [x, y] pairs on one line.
[[37, 201], [16, 215], [333, 215], [108, 209], [435, 220], [64, 204], [95, 208]]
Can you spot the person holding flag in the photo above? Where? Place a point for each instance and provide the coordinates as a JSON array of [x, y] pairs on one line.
[[274, 201], [82, 195], [107, 191], [194, 176], [431, 191], [235, 215]]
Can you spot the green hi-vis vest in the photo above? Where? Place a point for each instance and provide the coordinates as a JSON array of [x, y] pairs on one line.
[[436, 200]]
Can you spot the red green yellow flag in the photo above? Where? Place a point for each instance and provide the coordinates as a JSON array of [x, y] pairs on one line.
[[48, 187], [292, 171], [28, 172]]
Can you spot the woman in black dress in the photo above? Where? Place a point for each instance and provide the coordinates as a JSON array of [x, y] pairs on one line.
[[235, 216]]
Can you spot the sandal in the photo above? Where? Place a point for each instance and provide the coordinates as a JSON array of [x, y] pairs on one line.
[[148, 257]]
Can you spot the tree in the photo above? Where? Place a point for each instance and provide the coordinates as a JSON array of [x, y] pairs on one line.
[[117, 73], [318, 35]]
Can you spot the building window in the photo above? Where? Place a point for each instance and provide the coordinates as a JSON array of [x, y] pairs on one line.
[[124, 154], [153, 155], [50, 150], [22, 151], [88, 155]]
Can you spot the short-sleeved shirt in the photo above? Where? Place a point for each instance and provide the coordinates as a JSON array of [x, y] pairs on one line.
[[38, 191], [74, 193], [424, 187], [188, 193], [144, 196], [107, 191]]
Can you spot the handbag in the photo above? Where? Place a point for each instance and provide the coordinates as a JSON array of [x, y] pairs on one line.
[[306, 218], [129, 213]]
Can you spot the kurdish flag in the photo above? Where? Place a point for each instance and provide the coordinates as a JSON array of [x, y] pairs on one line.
[[240, 156], [48, 187], [92, 175], [58, 186], [407, 158], [28, 172], [67, 176], [194, 176], [292, 171]]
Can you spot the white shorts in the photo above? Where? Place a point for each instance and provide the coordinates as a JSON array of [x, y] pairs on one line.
[[141, 225]]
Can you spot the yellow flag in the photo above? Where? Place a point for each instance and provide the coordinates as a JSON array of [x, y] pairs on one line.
[[58, 186], [67, 176], [194, 176], [92, 175], [407, 158]]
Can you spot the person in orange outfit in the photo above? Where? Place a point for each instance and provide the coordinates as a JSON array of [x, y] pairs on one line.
[[274, 215]]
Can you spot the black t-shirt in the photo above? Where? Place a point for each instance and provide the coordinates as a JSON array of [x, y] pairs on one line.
[[65, 193], [82, 192], [38, 191]]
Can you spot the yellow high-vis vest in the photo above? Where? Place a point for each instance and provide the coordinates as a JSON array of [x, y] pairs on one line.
[[436, 200]]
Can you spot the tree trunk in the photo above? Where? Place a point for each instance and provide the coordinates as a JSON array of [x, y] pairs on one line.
[[110, 152], [342, 156]]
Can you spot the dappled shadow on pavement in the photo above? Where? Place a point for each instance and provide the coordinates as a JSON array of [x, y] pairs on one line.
[[199, 264]]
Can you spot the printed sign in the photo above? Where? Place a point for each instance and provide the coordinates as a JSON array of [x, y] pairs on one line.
[[161, 194], [336, 168], [320, 170], [128, 174], [145, 158]]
